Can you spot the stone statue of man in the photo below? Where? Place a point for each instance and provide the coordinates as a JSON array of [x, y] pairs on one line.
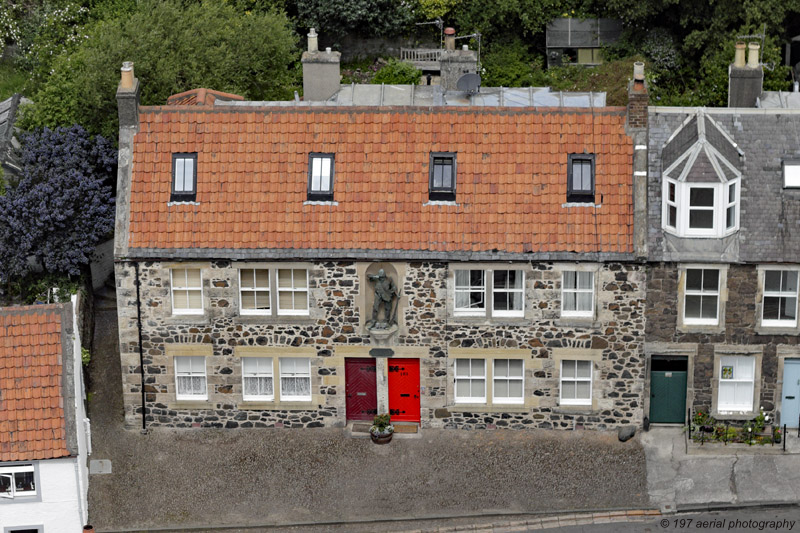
[[385, 292]]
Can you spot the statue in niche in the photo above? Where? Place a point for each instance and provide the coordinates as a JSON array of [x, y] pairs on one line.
[[385, 293]]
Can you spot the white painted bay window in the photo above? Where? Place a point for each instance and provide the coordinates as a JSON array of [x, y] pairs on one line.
[[701, 209], [736, 383]]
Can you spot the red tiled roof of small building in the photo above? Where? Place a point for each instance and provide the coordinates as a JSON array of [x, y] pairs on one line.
[[32, 423], [511, 182], [201, 97]]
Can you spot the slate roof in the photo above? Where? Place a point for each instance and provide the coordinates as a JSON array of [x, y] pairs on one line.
[[701, 152], [770, 215], [252, 181], [32, 415]]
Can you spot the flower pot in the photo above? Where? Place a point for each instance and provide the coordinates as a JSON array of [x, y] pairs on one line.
[[381, 439]]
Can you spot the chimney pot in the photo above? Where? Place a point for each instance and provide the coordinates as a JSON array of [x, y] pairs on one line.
[[465, 47], [313, 45], [126, 78], [328, 50], [752, 55], [638, 71], [738, 58], [449, 38]]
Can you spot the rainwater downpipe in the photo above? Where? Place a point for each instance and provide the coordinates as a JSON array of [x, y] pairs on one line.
[[141, 353]]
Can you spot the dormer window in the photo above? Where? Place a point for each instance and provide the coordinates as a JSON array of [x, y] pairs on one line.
[[580, 178], [320, 177], [184, 178], [701, 188], [443, 176]]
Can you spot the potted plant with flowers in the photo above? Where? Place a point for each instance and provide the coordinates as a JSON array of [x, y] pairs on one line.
[[382, 429]]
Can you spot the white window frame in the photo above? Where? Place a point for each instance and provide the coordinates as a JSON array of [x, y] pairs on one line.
[[791, 174], [265, 369], [316, 176], [510, 291], [174, 287], [286, 374], [521, 379], [721, 205], [9, 473], [576, 379], [195, 361], [768, 323], [702, 293], [293, 289], [577, 291], [256, 290], [469, 289], [186, 174], [469, 378], [735, 361]]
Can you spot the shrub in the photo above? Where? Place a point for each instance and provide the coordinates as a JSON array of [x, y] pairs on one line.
[[398, 73]]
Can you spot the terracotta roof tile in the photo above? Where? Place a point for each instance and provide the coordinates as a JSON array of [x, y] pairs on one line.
[[32, 424], [511, 179]]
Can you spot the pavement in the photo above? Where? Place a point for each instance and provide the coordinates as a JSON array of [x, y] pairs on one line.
[[716, 475], [437, 480]]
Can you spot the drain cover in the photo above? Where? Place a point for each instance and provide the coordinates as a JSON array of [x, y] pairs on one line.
[[99, 466]]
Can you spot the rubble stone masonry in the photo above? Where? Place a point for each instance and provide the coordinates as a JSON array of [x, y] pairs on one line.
[[613, 339]]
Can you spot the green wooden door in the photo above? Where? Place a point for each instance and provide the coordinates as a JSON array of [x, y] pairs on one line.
[[668, 396]]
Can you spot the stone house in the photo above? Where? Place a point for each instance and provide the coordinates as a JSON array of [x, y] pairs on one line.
[[724, 257], [44, 432], [251, 235]]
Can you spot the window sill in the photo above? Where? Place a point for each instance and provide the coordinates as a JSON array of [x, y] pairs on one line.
[[276, 406], [174, 320], [494, 321], [321, 202], [190, 404], [440, 202], [777, 330], [487, 408], [701, 328], [274, 319], [734, 415], [582, 204], [575, 410], [178, 202], [577, 321]]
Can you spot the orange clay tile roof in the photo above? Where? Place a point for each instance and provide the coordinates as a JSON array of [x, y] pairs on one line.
[[200, 97], [511, 179], [32, 424]]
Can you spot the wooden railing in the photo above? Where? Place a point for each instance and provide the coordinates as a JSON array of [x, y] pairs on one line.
[[423, 58]]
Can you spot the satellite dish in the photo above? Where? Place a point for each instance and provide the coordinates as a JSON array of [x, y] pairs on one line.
[[469, 83]]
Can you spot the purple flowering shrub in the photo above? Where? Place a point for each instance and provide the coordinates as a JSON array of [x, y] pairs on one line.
[[61, 207]]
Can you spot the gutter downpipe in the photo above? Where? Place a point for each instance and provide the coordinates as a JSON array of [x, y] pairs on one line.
[[141, 353]]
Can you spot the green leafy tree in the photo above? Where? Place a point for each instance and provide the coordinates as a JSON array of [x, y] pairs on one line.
[[520, 18], [398, 72], [174, 48], [369, 18]]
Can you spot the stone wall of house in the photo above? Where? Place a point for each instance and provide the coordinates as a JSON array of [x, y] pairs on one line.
[[741, 328], [427, 324]]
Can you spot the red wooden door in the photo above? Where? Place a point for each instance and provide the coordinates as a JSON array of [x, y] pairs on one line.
[[361, 388], [404, 390]]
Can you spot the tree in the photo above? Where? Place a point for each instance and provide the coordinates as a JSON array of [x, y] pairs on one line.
[[174, 48], [368, 18], [61, 207], [398, 73]]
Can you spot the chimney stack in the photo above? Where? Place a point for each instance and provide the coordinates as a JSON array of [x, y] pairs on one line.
[[638, 101], [455, 63], [321, 76], [745, 80], [128, 97]]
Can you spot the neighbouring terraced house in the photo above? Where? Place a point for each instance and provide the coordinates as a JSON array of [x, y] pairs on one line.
[[44, 432], [724, 252], [251, 237]]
